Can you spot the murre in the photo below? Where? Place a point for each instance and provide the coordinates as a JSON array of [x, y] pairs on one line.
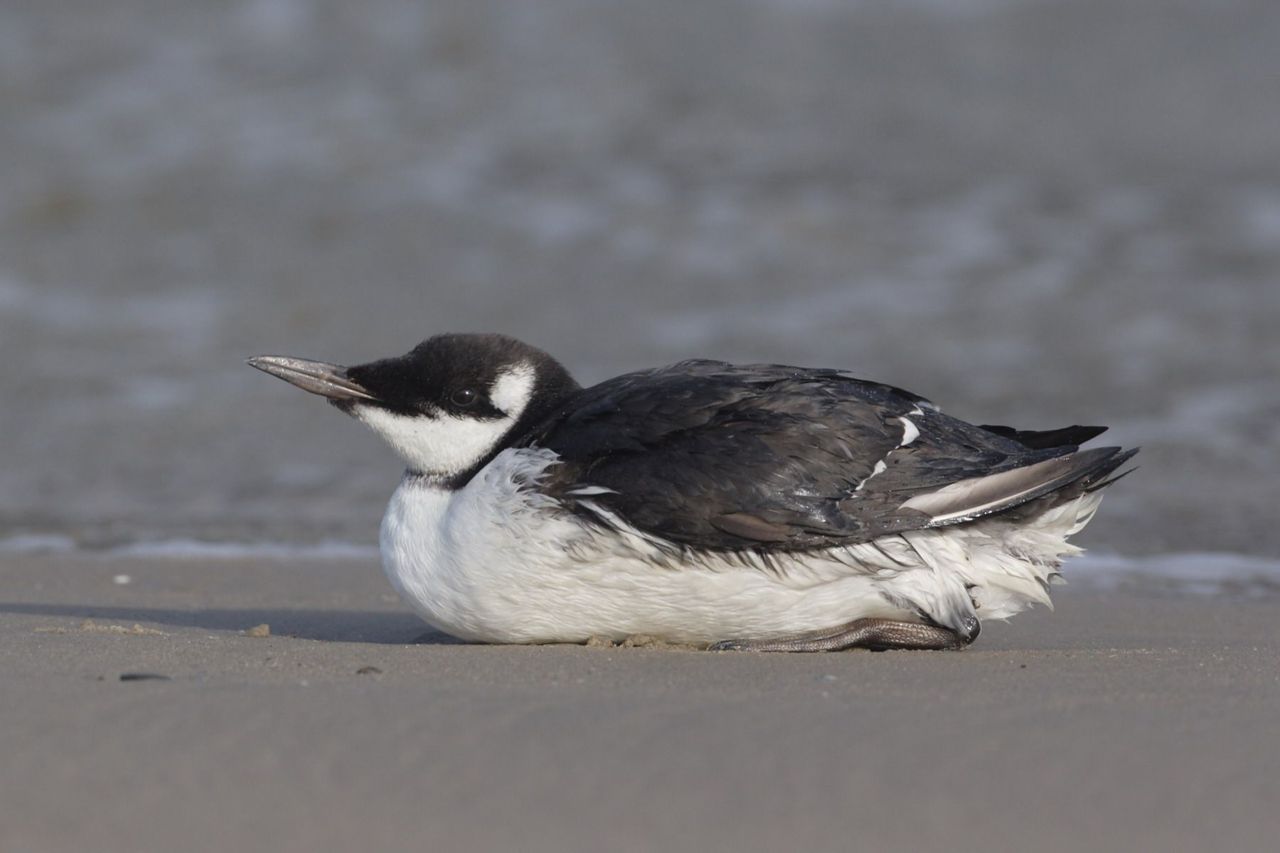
[[758, 507]]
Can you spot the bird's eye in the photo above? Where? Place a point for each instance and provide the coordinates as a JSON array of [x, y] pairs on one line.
[[464, 397]]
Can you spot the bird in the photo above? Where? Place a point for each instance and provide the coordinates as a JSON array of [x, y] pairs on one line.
[[756, 507]]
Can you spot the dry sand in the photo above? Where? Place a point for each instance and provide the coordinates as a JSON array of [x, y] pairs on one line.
[[1117, 722]]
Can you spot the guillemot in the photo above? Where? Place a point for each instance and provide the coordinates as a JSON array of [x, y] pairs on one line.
[[756, 507]]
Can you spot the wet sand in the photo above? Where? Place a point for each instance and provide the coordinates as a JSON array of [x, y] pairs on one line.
[[1116, 722]]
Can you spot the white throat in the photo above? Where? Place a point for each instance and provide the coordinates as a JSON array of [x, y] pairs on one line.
[[444, 444]]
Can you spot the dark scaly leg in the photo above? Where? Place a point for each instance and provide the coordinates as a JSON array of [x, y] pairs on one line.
[[863, 634]]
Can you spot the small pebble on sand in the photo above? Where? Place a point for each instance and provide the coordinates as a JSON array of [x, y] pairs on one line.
[[263, 630]]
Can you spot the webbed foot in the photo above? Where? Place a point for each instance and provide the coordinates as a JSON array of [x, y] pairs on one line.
[[876, 634]]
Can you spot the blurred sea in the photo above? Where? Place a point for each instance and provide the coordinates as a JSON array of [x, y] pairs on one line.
[[1035, 212]]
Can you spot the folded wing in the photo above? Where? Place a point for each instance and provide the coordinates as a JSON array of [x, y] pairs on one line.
[[713, 456]]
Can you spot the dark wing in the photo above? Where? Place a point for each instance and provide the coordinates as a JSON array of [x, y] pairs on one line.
[[715, 456]]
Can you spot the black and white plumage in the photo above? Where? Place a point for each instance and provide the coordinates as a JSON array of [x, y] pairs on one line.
[[761, 505]]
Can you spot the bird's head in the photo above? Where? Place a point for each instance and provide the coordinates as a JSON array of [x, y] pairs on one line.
[[447, 406]]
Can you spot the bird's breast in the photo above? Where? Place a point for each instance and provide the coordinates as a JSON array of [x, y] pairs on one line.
[[475, 561]]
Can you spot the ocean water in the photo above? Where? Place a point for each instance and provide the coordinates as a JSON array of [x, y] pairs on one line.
[[1035, 212]]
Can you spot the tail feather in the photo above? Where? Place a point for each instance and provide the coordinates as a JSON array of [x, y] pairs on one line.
[[1071, 436], [1095, 486]]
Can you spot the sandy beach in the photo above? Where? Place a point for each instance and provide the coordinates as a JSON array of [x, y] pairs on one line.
[[1115, 722]]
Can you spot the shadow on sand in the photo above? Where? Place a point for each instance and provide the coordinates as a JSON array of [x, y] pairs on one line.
[[337, 626]]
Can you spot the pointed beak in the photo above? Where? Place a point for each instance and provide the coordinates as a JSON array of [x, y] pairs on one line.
[[318, 377]]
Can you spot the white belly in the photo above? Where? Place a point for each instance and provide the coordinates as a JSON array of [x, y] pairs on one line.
[[496, 561]]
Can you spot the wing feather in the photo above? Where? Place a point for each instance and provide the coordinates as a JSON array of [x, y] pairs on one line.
[[712, 456]]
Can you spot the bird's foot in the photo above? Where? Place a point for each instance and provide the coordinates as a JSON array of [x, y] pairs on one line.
[[876, 634]]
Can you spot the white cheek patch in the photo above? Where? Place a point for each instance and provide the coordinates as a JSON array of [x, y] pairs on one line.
[[512, 389], [445, 444], [440, 444]]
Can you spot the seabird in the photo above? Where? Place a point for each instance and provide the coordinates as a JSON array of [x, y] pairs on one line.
[[757, 507]]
